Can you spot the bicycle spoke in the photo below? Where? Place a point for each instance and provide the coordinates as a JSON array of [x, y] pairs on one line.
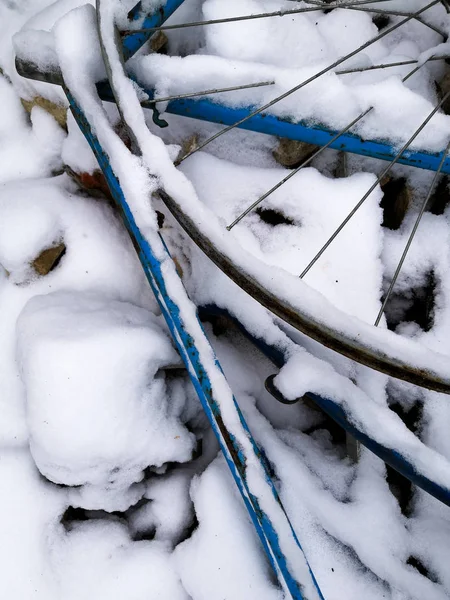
[[379, 179], [151, 103], [414, 71], [386, 65], [278, 13], [321, 4], [310, 159], [307, 81], [246, 86], [411, 237], [382, 11], [398, 13]]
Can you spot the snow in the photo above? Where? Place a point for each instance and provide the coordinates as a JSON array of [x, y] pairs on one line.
[[276, 38], [29, 147], [113, 485], [169, 512], [219, 550], [304, 199], [36, 47], [86, 428], [75, 150], [98, 557], [31, 510]]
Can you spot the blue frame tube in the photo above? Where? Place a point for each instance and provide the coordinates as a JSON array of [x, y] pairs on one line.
[[186, 346], [319, 135], [132, 43], [391, 457]]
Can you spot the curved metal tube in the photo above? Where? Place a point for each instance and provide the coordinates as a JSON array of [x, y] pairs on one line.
[[323, 334]]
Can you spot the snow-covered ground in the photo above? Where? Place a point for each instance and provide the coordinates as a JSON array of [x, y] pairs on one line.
[[113, 486]]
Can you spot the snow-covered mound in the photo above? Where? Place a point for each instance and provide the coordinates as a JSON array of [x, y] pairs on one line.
[[87, 427]]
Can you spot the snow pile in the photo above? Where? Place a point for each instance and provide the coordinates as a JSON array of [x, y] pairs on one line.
[[87, 427], [298, 39], [32, 22], [99, 558], [34, 214], [31, 509]]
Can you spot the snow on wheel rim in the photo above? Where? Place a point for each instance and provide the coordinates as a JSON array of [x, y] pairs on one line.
[[279, 292]]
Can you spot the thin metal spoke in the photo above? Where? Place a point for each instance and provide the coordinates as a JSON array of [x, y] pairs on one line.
[[283, 13], [152, 102], [371, 189], [411, 237], [321, 4], [307, 81], [386, 65], [382, 11], [414, 71], [311, 158], [295, 171], [398, 13], [278, 13]]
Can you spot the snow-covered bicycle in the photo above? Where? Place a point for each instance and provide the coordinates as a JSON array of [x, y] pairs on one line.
[[265, 228]]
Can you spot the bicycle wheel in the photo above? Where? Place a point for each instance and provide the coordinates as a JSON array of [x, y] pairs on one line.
[[174, 77], [298, 305]]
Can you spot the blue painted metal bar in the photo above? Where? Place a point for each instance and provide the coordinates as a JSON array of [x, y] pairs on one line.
[[132, 43], [391, 457], [200, 378], [186, 345], [319, 135], [207, 110]]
